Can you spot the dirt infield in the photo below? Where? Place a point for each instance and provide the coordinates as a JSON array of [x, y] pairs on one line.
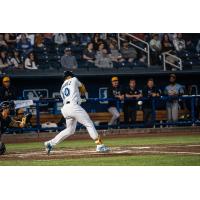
[[63, 153], [131, 150]]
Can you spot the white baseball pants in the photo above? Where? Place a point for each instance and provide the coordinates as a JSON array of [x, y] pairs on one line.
[[73, 113]]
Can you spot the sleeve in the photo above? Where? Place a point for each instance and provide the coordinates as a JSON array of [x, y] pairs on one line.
[[166, 90], [97, 61], [1, 94], [75, 62], [62, 61], [122, 90], [138, 92], [181, 90], [27, 64], [110, 93], [29, 44], [13, 123], [175, 42], [78, 83], [85, 52], [56, 38], [16, 93], [14, 62], [65, 38], [198, 46], [158, 91], [152, 43], [144, 92], [18, 45], [126, 91]]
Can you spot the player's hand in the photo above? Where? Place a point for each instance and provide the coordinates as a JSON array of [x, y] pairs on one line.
[[154, 94], [83, 100], [138, 96], [22, 124], [121, 97]]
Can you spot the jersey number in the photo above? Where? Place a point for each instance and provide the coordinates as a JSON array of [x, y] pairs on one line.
[[65, 92]]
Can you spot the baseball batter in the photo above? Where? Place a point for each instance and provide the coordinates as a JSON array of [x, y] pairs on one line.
[[73, 112]]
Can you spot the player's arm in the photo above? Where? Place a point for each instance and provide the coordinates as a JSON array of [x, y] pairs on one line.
[[81, 87], [17, 124]]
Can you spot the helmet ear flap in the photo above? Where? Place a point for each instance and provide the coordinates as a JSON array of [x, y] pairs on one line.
[[4, 105]]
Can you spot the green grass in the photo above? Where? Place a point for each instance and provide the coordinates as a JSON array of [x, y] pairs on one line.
[[150, 140], [139, 160], [146, 160]]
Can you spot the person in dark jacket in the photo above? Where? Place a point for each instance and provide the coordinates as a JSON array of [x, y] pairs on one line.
[[130, 103], [115, 92], [7, 92], [6, 121], [149, 92]]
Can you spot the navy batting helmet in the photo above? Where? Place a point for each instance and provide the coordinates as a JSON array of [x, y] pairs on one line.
[[7, 104], [68, 73], [4, 105]]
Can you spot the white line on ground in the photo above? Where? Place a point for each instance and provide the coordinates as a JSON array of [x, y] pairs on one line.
[[193, 145]]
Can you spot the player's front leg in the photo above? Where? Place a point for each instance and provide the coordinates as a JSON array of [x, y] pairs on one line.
[[100, 146], [83, 118]]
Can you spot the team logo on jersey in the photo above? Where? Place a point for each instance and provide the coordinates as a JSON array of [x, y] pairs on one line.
[[103, 94], [66, 92]]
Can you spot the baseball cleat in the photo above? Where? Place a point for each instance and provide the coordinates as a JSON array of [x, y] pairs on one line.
[[48, 147], [102, 148]]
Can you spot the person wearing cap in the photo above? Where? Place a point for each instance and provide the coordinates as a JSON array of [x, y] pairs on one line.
[[7, 92], [173, 90], [67, 60], [116, 93], [6, 121]]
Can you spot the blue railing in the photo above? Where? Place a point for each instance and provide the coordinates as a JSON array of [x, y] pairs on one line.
[[154, 102]]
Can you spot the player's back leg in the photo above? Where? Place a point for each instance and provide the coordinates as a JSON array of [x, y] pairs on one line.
[[82, 117], [70, 129]]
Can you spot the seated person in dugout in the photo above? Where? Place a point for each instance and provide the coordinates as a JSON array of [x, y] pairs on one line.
[[130, 102], [20, 114], [6, 121], [149, 92], [115, 92]]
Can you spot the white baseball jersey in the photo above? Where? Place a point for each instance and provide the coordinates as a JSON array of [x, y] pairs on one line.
[[70, 91], [73, 112]]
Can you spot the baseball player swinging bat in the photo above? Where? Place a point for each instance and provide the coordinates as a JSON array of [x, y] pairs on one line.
[[73, 112]]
